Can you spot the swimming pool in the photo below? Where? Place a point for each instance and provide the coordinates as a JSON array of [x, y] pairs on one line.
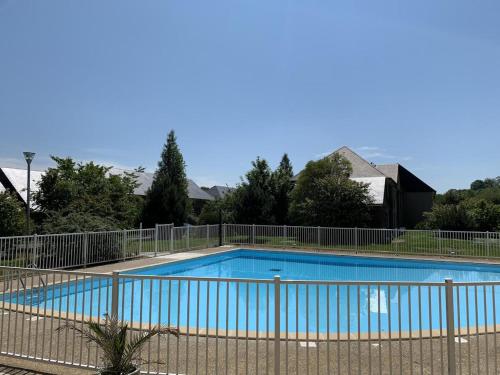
[[235, 291]]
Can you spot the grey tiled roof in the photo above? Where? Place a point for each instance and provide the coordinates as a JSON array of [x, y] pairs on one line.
[[403, 176], [360, 167], [390, 170], [145, 179], [218, 191], [18, 179]]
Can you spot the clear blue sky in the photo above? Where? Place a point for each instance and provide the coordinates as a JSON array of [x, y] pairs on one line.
[[411, 82]]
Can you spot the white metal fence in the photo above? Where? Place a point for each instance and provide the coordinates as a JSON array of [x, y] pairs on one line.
[[71, 250], [366, 240], [252, 326]]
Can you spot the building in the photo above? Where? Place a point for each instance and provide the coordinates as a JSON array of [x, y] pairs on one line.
[[15, 181], [399, 197], [218, 192]]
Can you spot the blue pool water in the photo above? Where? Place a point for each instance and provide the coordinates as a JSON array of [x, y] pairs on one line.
[[314, 308]]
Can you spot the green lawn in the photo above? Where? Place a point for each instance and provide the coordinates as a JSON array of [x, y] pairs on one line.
[[407, 243]]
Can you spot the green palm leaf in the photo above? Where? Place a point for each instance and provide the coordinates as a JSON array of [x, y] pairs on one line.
[[118, 355]]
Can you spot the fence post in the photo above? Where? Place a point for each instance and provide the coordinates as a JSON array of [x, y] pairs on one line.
[[277, 323], [319, 237], [188, 244], [220, 228], [115, 287], [172, 238], [488, 243], [440, 242], [156, 239], [356, 239], [396, 240], [253, 234], [140, 238], [34, 250], [284, 235], [85, 249], [221, 240], [124, 247], [208, 235], [450, 327]]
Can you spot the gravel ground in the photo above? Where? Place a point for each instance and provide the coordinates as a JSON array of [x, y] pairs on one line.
[[220, 356]]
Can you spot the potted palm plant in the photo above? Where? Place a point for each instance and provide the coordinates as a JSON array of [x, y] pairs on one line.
[[120, 353]]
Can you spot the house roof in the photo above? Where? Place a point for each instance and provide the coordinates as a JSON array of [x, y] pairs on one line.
[[145, 179], [195, 192], [218, 191], [16, 179], [360, 166], [390, 170], [408, 181]]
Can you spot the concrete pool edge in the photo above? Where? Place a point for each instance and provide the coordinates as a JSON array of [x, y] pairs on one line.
[[243, 334]]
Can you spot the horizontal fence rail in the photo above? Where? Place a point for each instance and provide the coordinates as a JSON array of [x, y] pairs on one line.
[[266, 326], [366, 240]]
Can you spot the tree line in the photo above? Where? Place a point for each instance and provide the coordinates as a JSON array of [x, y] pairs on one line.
[[77, 197], [473, 209]]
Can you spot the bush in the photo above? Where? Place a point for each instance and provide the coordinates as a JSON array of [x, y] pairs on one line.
[[447, 217], [12, 219], [77, 222]]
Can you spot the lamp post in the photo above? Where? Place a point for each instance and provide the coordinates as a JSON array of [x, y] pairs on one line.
[[28, 156]]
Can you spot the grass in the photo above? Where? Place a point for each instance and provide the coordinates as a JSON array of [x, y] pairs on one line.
[[417, 243]]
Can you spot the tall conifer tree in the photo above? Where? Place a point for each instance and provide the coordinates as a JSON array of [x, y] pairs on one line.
[[167, 199]]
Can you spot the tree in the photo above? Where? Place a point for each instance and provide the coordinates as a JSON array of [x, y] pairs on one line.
[[447, 217], [253, 199], [485, 215], [326, 196], [167, 199], [282, 186], [477, 208], [76, 222], [211, 211], [485, 184], [79, 197], [12, 219]]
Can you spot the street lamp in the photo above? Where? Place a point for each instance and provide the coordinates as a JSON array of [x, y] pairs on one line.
[[28, 156]]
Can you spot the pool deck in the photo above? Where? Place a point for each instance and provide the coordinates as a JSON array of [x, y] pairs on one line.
[[167, 258], [354, 352]]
